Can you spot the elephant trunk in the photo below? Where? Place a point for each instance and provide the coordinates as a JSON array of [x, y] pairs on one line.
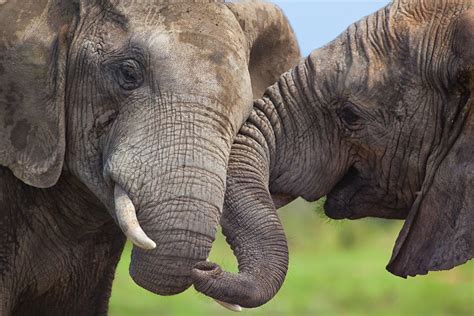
[[272, 153], [183, 225], [169, 188], [262, 252], [253, 230]]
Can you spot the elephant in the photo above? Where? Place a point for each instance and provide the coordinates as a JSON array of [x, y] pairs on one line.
[[381, 122], [117, 119]]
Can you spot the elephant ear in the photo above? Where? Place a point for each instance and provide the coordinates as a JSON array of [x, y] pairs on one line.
[[272, 42], [439, 231], [33, 50]]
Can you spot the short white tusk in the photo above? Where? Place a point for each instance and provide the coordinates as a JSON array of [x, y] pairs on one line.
[[128, 222], [232, 307]]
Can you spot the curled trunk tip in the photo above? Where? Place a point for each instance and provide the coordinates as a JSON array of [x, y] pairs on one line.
[[234, 290]]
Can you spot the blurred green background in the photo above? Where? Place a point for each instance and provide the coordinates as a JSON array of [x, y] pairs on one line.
[[336, 268]]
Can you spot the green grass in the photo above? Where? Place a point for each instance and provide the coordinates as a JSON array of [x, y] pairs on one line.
[[336, 268]]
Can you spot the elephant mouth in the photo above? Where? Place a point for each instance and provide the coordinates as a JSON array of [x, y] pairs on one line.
[[338, 204], [356, 197]]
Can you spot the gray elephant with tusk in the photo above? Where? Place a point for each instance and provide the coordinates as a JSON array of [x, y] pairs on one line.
[[380, 120], [121, 112]]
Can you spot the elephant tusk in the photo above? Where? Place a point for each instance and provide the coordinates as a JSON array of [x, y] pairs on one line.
[[128, 222], [231, 307]]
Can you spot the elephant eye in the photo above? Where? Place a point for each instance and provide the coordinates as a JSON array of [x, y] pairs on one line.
[[129, 74], [348, 114]]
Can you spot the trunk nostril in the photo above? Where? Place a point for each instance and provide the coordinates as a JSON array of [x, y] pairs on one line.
[[206, 268]]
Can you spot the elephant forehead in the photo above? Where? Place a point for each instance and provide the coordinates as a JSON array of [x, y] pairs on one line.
[[210, 69], [199, 49], [212, 20], [190, 30]]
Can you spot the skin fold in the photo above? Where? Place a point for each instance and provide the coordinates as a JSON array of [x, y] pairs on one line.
[[121, 112], [380, 121]]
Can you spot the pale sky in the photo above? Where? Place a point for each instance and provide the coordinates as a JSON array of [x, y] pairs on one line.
[[317, 22]]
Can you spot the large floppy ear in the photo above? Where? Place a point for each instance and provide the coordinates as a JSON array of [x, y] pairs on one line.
[[272, 42], [439, 231], [33, 47]]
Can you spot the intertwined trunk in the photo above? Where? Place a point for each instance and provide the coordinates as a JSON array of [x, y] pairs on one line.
[[173, 170], [253, 230], [271, 156]]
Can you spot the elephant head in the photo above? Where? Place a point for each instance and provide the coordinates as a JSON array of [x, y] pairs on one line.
[[381, 121], [140, 101]]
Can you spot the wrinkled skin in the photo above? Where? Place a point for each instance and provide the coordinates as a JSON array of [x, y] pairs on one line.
[[140, 100], [381, 121]]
